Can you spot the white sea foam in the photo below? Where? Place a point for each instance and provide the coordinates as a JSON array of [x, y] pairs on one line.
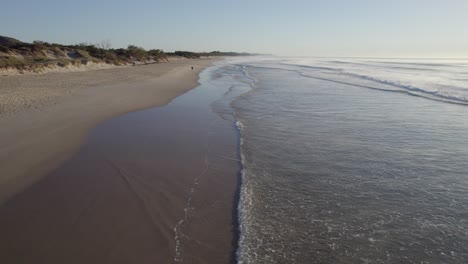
[[433, 78], [243, 204], [445, 80], [245, 197]]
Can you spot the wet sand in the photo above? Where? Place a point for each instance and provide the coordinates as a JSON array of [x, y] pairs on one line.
[[154, 186]]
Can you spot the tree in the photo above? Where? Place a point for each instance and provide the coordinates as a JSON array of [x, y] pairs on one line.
[[104, 44]]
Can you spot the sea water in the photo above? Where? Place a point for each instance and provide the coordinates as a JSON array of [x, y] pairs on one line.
[[351, 160]]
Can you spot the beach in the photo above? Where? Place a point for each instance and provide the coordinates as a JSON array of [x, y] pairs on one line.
[[150, 186], [44, 118]]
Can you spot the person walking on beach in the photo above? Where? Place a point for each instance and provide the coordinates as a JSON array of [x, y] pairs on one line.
[[192, 67]]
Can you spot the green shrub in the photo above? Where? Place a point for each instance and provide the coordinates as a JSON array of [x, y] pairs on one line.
[[82, 53], [62, 62], [12, 62], [41, 59], [138, 53], [187, 54], [3, 49], [58, 51]]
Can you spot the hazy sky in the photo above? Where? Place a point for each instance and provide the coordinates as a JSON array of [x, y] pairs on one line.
[[379, 28]]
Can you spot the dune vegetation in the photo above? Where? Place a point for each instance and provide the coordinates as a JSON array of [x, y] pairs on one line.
[[15, 54], [24, 56]]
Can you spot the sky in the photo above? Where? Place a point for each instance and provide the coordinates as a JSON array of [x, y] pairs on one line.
[[338, 28]]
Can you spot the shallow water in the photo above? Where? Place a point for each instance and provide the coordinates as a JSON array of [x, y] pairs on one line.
[[337, 173]]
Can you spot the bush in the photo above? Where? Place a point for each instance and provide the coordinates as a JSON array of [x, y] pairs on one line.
[[82, 54], [37, 54], [58, 52], [111, 57], [157, 54], [138, 53], [12, 62], [41, 59], [38, 45], [3, 49], [187, 54], [63, 62]]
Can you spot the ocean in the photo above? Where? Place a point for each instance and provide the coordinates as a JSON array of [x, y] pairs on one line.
[[349, 160]]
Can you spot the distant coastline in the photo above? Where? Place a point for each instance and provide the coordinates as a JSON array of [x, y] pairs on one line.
[[17, 57]]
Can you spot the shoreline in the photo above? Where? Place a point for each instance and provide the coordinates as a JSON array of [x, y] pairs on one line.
[[38, 139], [237, 198], [158, 185]]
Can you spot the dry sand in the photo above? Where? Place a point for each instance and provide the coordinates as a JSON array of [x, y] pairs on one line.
[[44, 118]]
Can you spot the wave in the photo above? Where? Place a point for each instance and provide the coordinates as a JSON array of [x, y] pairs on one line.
[[245, 197], [408, 89], [311, 67], [382, 65], [411, 88], [443, 98], [245, 200], [415, 64]]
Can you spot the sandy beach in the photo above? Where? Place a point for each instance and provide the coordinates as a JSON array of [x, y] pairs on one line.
[[44, 118], [151, 186]]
